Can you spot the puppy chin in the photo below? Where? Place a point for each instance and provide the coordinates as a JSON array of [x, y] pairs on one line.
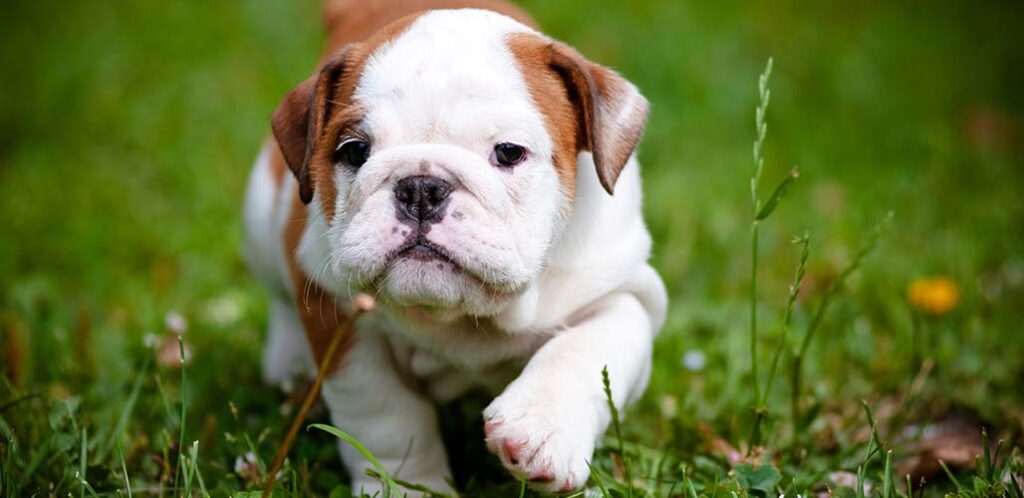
[[427, 282], [440, 288]]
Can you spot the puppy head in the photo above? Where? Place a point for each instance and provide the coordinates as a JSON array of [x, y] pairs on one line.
[[443, 153]]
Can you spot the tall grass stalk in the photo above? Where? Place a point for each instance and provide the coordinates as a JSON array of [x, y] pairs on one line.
[[184, 409], [888, 487], [865, 249], [761, 128], [760, 213], [124, 471], [794, 292], [190, 468], [83, 453], [617, 426], [867, 246], [874, 446]]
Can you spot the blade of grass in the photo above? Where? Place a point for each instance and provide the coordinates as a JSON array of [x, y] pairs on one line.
[[865, 249], [671, 489], [85, 484], [996, 471], [410, 485], [887, 481], [780, 191], [688, 483], [199, 475], [390, 485], [950, 475], [655, 479], [600, 483], [1015, 485], [129, 406], [190, 468], [184, 408], [82, 459], [754, 235], [124, 471], [616, 425], [164, 402], [875, 444], [794, 292], [759, 409], [986, 469], [761, 131], [859, 492]]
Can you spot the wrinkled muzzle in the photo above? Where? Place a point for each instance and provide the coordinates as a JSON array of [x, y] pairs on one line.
[[432, 225]]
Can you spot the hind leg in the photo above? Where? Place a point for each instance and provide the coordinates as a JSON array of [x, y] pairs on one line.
[[286, 353]]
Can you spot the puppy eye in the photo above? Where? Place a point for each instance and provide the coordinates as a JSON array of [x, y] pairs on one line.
[[352, 151], [506, 154]]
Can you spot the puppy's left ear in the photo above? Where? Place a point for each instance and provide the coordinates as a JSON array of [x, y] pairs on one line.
[[298, 122], [611, 111]]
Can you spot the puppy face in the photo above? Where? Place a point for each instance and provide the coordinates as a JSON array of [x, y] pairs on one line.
[[443, 154]]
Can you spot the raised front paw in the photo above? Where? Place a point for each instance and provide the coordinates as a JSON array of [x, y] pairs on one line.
[[548, 444]]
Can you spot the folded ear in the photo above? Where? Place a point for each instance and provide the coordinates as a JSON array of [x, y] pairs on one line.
[[611, 111], [299, 120]]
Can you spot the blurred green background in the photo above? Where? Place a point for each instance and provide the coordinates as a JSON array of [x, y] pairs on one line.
[[127, 130]]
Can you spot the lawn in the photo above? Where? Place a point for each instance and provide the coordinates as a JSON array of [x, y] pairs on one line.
[[127, 131]]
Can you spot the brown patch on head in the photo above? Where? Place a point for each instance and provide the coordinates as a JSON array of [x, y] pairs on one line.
[[586, 106], [303, 122], [554, 99], [349, 21], [309, 120]]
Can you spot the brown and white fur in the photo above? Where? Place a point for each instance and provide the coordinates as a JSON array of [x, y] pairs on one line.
[[536, 276]]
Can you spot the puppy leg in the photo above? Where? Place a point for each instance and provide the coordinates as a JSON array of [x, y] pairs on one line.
[[546, 423], [286, 352], [368, 400]]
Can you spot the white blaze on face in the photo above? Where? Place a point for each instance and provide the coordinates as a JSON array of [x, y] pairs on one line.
[[437, 99]]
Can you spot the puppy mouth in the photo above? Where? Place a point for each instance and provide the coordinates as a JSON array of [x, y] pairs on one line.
[[420, 248]]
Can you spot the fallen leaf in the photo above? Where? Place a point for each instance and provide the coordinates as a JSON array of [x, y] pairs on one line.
[[954, 441]]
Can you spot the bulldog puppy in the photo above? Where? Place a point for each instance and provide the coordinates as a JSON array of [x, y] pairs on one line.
[[479, 178]]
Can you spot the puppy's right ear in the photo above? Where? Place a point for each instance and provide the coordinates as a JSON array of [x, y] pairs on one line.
[[298, 122]]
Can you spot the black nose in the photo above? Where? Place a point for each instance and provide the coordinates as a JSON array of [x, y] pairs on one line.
[[422, 198]]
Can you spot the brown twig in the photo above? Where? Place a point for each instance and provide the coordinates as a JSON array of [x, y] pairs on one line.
[[361, 304]]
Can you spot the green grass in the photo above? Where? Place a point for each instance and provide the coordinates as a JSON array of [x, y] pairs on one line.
[[127, 131]]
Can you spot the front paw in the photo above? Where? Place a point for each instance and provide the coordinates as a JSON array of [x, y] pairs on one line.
[[550, 444]]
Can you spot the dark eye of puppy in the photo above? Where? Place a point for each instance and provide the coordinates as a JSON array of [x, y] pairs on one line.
[[352, 152], [506, 154]]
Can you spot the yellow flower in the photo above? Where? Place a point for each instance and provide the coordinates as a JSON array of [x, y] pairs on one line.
[[933, 295]]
